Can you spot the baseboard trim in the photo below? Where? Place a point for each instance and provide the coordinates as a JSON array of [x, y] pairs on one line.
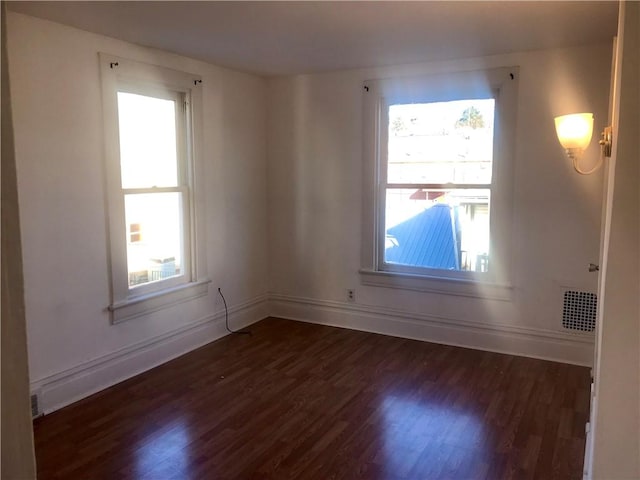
[[501, 338], [63, 388]]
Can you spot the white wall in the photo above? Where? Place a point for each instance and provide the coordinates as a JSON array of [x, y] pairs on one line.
[[73, 349], [315, 195]]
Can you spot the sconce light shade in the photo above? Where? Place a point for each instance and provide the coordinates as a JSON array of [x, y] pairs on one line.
[[574, 132]]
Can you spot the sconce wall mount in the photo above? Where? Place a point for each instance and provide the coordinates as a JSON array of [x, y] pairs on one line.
[[574, 133], [605, 142]]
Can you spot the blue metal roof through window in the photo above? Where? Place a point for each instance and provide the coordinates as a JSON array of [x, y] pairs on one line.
[[428, 239]]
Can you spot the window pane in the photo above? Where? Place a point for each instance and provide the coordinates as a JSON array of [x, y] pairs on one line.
[[154, 245], [148, 155], [442, 229], [444, 142]]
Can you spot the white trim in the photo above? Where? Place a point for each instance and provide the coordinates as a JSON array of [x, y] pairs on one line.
[[68, 386], [443, 285], [572, 348], [148, 303]]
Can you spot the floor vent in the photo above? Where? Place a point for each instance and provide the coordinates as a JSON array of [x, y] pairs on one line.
[[35, 408], [580, 310]]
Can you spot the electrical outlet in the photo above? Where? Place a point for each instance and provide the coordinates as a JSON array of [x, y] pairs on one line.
[[351, 295]]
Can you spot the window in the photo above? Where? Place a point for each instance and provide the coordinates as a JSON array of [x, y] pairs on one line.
[[155, 187], [150, 137], [135, 233], [438, 162], [438, 185]]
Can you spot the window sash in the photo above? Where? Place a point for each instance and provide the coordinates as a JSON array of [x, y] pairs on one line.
[[187, 263], [182, 125], [381, 198], [181, 114], [385, 266]]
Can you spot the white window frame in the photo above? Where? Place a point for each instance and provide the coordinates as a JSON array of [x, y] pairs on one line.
[[123, 75], [500, 84]]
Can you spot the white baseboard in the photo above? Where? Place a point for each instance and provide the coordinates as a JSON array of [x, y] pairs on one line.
[[66, 387], [63, 388], [573, 348]]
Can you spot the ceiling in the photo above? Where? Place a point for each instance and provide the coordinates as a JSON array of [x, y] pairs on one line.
[[280, 38]]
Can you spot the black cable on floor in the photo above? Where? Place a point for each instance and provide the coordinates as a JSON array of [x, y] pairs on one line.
[[226, 318]]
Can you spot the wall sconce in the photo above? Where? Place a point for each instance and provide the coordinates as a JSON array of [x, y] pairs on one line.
[[574, 132]]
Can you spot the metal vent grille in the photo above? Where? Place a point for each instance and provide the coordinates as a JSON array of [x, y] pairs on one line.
[[35, 409], [579, 312]]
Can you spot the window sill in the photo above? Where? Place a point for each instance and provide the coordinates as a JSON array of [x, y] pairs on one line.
[[434, 284], [152, 302]]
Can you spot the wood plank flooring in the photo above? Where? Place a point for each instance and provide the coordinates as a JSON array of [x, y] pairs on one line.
[[296, 400]]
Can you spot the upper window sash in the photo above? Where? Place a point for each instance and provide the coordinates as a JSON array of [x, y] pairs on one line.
[[430, 143], [180, 159]]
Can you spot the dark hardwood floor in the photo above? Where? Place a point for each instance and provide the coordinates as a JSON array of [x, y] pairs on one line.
[[297, 400]]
